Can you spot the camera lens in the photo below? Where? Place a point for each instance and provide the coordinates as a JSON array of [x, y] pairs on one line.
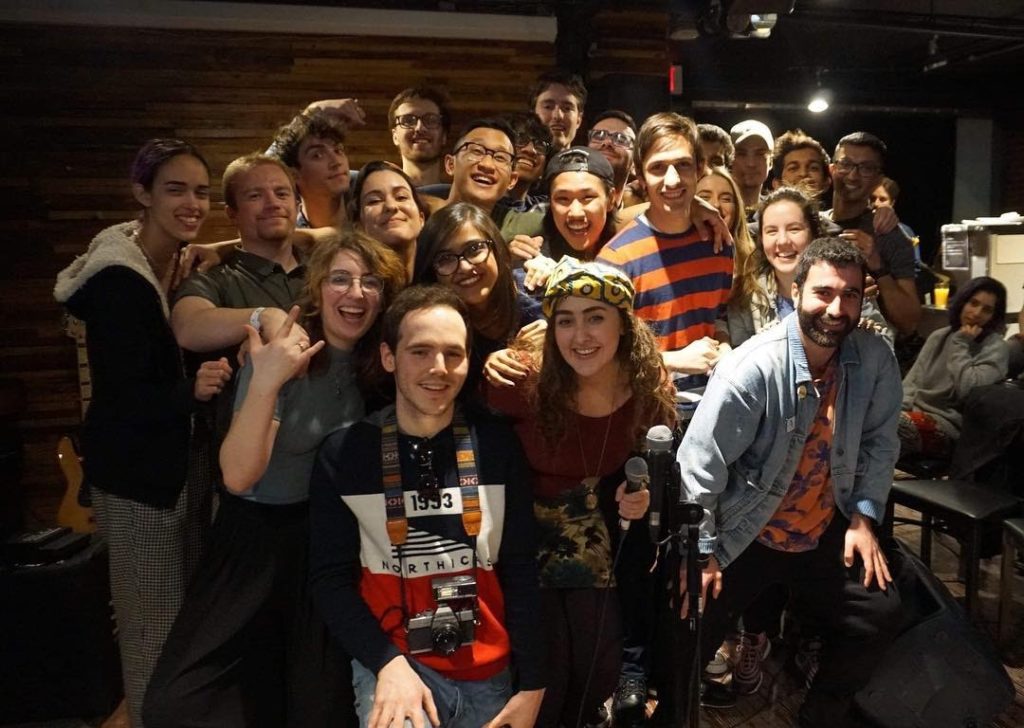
[[446, 638]]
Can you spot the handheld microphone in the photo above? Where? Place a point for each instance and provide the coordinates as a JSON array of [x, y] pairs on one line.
[[636, 480], [660, 463]]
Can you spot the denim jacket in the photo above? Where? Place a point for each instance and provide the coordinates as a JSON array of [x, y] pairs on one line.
[[745, 441]]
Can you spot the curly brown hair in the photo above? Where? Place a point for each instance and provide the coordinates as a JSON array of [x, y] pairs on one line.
[[553, 393], [381, 261]]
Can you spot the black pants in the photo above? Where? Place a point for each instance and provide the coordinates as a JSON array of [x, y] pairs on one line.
[[580, 644], [859, 622], [247, 649]]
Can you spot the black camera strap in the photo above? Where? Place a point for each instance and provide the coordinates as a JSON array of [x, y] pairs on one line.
[[394, 497]]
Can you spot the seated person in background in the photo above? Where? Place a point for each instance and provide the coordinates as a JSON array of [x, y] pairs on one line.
[[313, 146], [533, 145], [955, 359], [419, 512]]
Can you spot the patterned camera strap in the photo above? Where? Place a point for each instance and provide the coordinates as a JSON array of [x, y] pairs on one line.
[[394, 498]]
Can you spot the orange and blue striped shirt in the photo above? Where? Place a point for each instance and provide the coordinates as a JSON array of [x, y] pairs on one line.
[[682, 284]]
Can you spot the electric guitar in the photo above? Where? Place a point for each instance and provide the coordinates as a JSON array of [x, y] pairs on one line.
[[71, 513]]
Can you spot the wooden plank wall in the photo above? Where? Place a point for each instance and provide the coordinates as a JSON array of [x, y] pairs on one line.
[[80, 101]]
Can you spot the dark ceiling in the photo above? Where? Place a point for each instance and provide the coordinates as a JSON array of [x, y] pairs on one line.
[[942, 55]]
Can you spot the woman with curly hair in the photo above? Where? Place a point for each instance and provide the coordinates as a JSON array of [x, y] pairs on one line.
[[594, 387], [247, 648]]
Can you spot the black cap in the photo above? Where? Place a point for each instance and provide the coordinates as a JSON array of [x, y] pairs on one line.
[[579, 159]]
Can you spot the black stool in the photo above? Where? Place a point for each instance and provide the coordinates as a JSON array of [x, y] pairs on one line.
[[1013, 540], [966, 508]]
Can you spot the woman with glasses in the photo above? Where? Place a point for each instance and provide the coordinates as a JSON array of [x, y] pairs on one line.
[[461, 247], [247, 648], [594, 386]]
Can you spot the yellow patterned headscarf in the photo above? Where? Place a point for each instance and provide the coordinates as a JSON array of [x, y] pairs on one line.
[[597, 281]]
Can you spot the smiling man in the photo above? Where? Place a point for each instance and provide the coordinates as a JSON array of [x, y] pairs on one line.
[[614, 135], [532, 145], [801, 161], [791, 454], [856, 168], [420, 121], [422, 553], [558, 99], [264, 275], [313, 146]]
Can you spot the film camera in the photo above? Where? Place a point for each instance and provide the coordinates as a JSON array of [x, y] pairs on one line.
[[449, 626]]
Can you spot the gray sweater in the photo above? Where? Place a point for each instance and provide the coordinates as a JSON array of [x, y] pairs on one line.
[[949, 366]]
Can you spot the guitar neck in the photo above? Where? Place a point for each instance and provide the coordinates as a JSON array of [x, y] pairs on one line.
[[75, 328]]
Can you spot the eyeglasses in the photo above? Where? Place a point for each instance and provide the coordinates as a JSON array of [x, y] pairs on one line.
[[474, 252], [423, 458], [868, 169], [342, 281], [476, 152], [540, 146], [408, 121], [617, 138]]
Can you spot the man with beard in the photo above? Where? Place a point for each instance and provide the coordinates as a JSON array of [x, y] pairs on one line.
[[791, 454], [614, 134], [856, 168], [420, 120]]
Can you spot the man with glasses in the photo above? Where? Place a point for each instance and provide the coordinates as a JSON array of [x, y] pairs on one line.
[[856, 168], [532, 145], [422, 544], [482, 166], [420, 119], [613, 134], [558, 99]]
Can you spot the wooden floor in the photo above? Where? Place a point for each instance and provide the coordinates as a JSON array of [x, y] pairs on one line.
[[776, 703]]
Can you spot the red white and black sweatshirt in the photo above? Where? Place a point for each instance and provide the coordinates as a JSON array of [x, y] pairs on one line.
[[354, 569]]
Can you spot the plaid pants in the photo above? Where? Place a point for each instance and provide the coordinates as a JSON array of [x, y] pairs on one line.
[[153, 552]]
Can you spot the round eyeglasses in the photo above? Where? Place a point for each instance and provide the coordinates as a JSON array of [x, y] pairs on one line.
[[617, 138], [475, 153], [341, 281], [474, 252]]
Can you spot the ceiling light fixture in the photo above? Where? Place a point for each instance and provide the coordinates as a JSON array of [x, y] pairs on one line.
[[821, 99]]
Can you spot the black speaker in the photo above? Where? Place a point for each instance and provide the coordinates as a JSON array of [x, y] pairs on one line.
[[58, 655], [940, 672]]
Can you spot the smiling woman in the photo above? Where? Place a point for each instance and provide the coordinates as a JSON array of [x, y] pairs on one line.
[[385, 205], [250, 594], [462, 248], [598, 370], [145, 475]]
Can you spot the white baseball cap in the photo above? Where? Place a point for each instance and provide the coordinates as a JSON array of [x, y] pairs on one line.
[[752, 127]]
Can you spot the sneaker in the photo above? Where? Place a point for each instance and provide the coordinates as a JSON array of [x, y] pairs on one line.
[[716, 695], [719, 665], [808, 655], [629, 705], [747, 675]]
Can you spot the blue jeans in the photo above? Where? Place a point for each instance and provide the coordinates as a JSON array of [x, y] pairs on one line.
[[460, 703]]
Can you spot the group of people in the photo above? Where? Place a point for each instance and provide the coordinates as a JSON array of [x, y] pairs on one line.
[[413, 390]]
